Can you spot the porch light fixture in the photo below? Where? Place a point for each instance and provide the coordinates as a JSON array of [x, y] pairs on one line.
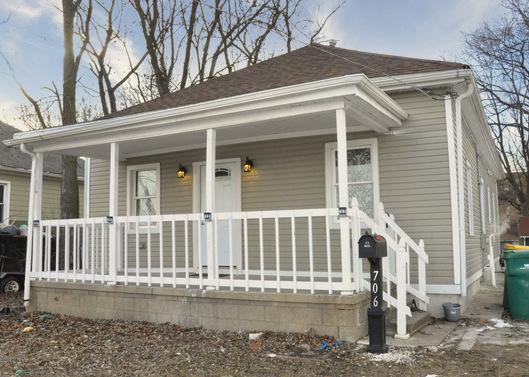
[[181, 173], [248, 165]]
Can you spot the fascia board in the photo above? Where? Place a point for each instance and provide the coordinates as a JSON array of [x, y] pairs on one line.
[[286, 96]]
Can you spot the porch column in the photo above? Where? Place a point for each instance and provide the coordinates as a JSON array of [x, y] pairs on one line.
[[210, 199], [343, 199], [113, 212], [86, 198], [34, 241]]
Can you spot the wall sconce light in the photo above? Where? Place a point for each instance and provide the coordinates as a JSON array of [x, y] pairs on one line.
[[248, 165], [181, 173]]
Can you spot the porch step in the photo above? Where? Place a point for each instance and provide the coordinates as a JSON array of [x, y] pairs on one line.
[[418, 320]]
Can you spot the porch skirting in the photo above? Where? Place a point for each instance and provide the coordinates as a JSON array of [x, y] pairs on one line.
[[344, 317]]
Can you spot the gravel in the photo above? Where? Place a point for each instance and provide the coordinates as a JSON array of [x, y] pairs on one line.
[[61, 345]]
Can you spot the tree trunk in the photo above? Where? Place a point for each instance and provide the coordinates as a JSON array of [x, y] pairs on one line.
[[69, 184]]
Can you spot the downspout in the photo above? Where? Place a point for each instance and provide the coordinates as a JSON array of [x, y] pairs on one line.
[[461, 188], [29, 238]]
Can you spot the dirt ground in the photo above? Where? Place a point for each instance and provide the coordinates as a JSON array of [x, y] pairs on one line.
[[68, 346]]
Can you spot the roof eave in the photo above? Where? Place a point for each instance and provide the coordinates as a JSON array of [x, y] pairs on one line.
[[337, 86]]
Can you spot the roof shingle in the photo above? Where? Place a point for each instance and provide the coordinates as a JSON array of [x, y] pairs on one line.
[[310, 63], [11, 157]]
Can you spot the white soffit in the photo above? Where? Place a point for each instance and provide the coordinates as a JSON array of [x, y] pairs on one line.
[[368, 106]]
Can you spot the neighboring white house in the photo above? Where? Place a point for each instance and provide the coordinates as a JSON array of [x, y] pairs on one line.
[[237, 203]]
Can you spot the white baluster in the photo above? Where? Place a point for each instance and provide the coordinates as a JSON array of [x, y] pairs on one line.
[[401, 291], [246, 261], [137, 239], [261, 253], [311, 255], [294, 264], [186, 250], [230, 245], [160, 224], [422, 277], [357, 263], [149, 252], [328, 250], [173, 251], [278, 257]]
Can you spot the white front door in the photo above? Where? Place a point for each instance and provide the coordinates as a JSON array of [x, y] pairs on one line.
[[227, 199]]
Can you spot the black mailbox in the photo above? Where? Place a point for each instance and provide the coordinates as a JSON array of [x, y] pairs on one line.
[[372, 246]]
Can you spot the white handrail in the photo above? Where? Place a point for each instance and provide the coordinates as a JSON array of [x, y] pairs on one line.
[[400, 245]]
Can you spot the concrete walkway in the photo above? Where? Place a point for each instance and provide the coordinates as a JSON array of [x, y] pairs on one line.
[[481, 324]]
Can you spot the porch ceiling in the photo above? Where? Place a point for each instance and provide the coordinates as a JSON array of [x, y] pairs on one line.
[[307, 125], [299, 110]]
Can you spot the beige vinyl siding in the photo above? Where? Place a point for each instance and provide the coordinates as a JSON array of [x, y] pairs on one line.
[[474, 254], [19, 196], [414, 181], [100, 186], [489, 183], [290, 174]]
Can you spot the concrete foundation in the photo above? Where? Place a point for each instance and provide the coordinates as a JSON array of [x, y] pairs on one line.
[[437, 300], [344, 317]]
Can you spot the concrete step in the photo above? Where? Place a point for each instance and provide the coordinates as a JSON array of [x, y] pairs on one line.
[[418, 320]]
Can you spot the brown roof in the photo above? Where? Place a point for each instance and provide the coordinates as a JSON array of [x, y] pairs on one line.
[[310, 63], [12, 157]]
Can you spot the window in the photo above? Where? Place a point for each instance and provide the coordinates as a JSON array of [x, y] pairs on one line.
[[489, 207], [362, 174], [482, 206], [143, 190], [4, 202], [470, 200], [494, 207], [222, 172]]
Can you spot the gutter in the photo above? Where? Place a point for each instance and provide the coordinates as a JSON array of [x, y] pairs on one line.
[[461, 187], [428, 79], [223, 106], [25, 150]]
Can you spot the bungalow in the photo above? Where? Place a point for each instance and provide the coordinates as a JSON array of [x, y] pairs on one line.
[[237, 203]]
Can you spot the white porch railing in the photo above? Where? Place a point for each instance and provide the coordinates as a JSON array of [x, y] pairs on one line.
[[286, 250], [406, 255]]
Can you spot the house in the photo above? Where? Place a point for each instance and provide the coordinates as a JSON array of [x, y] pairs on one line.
[[237, 203], [15, 172]]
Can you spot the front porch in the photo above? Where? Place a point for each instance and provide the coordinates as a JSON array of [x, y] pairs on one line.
[[215, 243]]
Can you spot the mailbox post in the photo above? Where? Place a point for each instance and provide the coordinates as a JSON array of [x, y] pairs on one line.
[[374, 248]]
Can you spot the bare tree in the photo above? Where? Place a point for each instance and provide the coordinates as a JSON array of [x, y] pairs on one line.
[[107, 33], [500, 55], [218, 35], [80, 12], [159, 26]]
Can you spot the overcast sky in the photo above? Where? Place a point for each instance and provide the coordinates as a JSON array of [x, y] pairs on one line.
[[32, 42]]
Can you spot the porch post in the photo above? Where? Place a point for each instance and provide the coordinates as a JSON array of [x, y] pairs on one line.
[[113, 211], [343, 199], [34, 241], [210, 198], [86, 198]]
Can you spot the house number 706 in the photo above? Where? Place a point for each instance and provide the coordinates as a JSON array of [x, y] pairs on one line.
[[374, 289]]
